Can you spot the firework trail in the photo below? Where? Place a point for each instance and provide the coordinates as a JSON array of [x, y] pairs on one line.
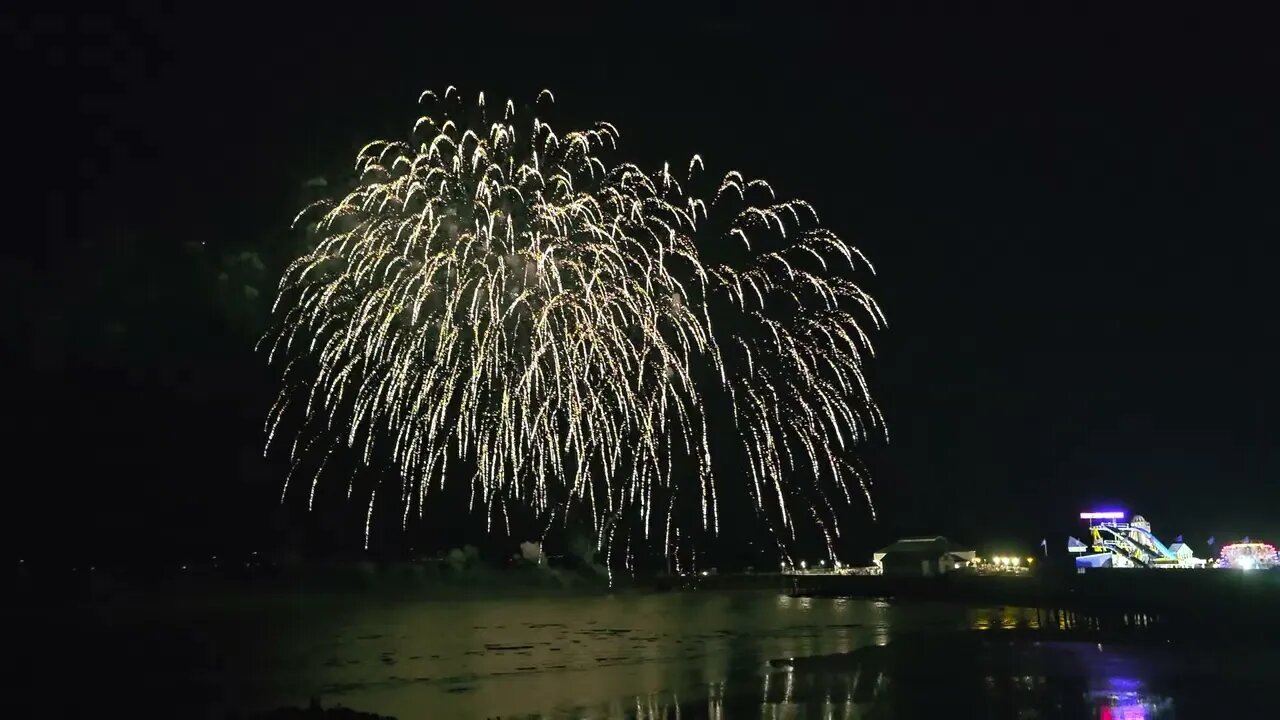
[[493, 300]]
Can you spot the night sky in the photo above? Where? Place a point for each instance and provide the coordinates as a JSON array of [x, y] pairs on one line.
[[1073, 218]]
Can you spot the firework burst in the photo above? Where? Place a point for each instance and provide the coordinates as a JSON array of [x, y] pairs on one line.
[[495, 304]]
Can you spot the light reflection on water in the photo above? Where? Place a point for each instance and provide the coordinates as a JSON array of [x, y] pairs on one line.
[[698, 654], [852, 691], [564, 655], [1006, 618]]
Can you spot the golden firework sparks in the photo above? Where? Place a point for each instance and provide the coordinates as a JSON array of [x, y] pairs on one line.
[[496, 294]]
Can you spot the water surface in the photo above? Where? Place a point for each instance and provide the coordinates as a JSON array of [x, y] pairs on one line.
[[657, 655]]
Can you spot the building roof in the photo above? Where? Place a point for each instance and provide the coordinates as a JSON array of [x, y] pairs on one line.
[[1177, 547], [936, 545]]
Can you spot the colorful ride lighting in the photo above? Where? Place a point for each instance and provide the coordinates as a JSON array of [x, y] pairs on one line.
[[1249, 556], [1103, 515]]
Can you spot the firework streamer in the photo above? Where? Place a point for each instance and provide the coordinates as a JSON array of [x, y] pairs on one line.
[[495, 304]]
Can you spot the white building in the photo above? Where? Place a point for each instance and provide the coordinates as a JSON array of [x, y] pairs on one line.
[[1186, 558], [922, 557]]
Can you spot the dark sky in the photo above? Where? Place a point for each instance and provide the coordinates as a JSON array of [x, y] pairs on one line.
[[1073, 218]]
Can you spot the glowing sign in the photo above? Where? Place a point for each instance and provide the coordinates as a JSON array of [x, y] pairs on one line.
[[1106, 515]]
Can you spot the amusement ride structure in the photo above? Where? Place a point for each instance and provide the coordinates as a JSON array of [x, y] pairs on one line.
[[1246, 555], [1117, 543]]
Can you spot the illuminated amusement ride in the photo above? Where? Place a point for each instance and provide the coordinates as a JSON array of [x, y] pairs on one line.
[[1248, 555], [1120, 544]]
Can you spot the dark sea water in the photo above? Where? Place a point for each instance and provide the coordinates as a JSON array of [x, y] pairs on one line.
[[658, 655]]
